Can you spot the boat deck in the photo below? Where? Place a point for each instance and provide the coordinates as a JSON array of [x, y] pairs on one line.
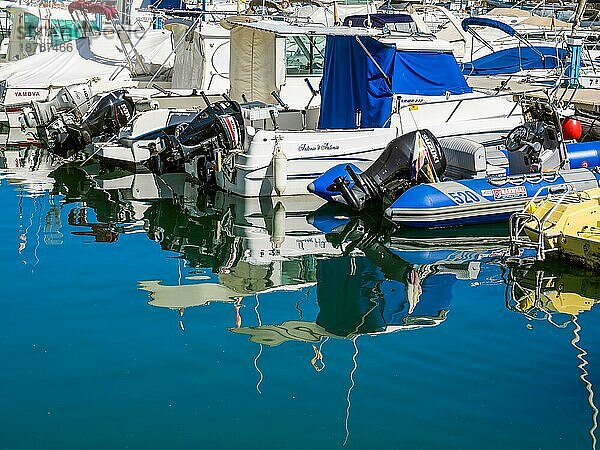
[[582, 99]]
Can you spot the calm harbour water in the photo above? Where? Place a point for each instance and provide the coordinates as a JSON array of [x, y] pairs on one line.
[[138, 313]]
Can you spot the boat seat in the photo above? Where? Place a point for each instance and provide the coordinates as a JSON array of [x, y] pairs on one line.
[[497, 162], [466, 158]]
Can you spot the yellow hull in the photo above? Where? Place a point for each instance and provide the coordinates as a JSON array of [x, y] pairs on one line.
[[569, 228]]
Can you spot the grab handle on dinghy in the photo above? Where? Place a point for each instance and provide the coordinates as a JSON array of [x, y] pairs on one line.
[[347, 193]]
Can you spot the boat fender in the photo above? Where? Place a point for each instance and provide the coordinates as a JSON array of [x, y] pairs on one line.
[[571, 129], [278, 236], [279, 169]]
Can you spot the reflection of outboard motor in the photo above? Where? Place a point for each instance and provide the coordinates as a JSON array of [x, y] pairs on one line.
[[104, 118], [218, 128], [413, 158]]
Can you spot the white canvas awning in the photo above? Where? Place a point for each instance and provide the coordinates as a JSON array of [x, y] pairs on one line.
[[282, 28]]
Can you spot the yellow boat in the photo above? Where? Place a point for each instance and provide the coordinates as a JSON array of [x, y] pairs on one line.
[[565, 225]]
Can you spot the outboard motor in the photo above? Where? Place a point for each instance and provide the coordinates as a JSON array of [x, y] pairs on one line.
[[215, 131], [74, 100], [410, 159], [105, 117]]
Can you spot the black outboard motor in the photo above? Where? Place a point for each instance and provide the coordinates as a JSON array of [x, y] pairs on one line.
[[410, 159], [218, 128], [105, 117]]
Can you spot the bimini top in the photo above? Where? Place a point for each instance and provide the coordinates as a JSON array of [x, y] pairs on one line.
[[377, 20], [485, 22], [163, 4], [362, 73], [282, 28]]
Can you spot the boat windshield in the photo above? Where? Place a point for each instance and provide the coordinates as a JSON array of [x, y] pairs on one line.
[[304, 55], [65, 31], [30, 24]]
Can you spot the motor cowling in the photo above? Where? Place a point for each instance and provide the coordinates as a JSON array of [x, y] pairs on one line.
[[221, 121], [217, 128], [109, 114], [410, 159]]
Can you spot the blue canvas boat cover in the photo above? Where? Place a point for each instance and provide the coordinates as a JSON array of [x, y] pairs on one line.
[[354, 79], [485, 22], [377, 20], [515, 59], [163, 4]]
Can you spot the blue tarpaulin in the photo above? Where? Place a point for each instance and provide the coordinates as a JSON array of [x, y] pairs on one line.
[[353, 79], [163, 4], [515, 59], [427, 73]]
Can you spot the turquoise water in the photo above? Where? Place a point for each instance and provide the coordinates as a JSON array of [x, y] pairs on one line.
[[196, 320]]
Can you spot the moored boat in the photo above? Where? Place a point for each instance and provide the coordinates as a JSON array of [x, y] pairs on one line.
[[565, 225]]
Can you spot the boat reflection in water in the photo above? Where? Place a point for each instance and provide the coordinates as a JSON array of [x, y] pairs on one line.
[[251, 246], [557, 294], [119, 199], [382, 285], [376, 286], [28, 170]]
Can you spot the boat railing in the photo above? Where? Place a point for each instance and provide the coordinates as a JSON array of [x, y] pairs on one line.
[[520, 220], [461, 101]]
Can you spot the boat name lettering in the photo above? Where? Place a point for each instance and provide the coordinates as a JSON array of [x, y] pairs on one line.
[[411, 101], [302, 244], [506, 193], [312, 148], [462, 197], [26, 94]]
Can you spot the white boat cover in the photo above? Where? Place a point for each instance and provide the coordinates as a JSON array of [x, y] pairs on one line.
[[98, 57]]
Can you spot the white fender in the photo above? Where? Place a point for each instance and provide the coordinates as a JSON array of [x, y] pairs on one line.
[[279, 170]]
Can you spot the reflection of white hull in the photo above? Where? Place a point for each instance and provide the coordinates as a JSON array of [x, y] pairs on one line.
[[270, 230], [29, 167]]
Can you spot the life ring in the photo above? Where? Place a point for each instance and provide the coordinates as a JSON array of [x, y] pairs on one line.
[[285, 4]]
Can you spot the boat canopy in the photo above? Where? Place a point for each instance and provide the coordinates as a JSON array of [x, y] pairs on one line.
[[515, 59], [361, 73], [282, 28], [163, 4], [258, 49], [376, 20], [485, 22]]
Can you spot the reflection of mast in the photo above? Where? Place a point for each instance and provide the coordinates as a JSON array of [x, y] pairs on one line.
[[350, 389], [588, 383], [355, 368], [38, 231], [260, 347]]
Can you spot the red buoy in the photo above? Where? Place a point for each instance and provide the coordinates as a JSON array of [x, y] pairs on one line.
[[571, 129]]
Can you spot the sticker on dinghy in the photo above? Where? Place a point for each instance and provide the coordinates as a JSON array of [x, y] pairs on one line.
[[476, 201]]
